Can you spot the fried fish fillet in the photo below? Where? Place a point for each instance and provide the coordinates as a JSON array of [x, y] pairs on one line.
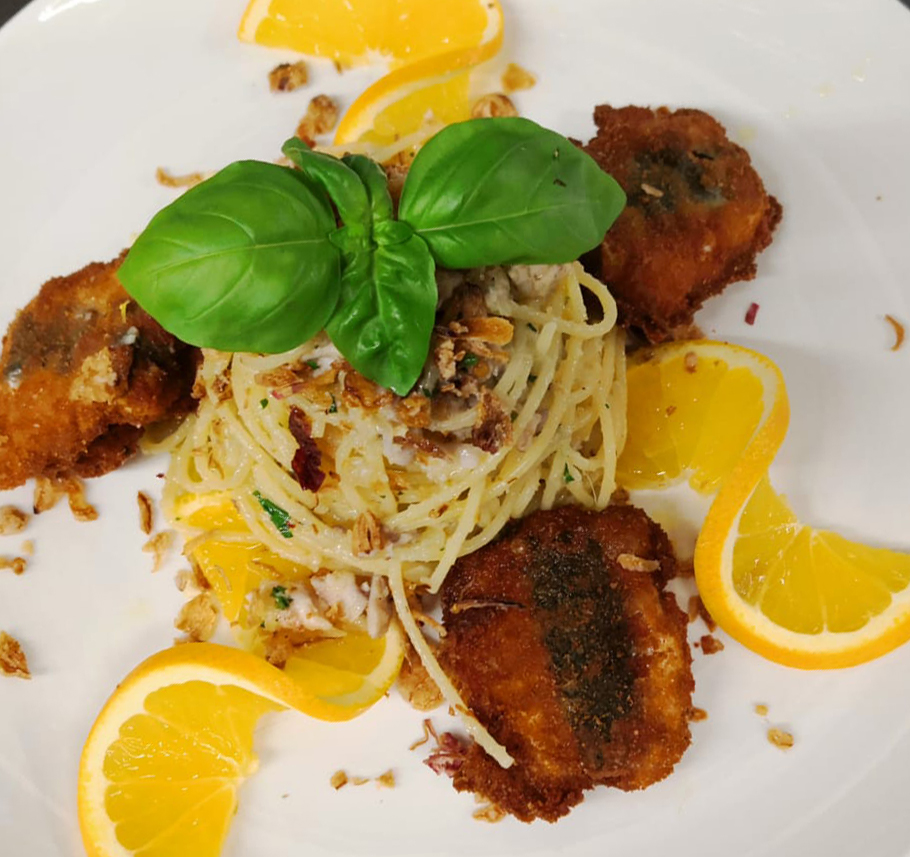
[[696, 217], [579, 666], [83, 370]]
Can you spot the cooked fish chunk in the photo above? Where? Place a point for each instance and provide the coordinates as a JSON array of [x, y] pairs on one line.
[[579, 666], [83, 370], [697, 214]]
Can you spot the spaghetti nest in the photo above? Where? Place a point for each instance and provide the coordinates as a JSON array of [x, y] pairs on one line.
[[521, 406]]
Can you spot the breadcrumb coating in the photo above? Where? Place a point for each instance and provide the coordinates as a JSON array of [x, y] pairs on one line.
[[580, 667], [696, 217]]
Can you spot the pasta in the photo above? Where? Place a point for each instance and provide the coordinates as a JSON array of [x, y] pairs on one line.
[[568, 423], [407, 486]]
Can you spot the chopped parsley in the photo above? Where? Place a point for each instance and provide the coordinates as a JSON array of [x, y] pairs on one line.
[[531, 327], [333, 408], [278, 516], [263, 403], [469, 361], [313, 363], [429, 392], [532, 379], [567, 477], [282, 599]]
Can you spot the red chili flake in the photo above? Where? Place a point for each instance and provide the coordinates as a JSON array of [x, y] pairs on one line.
[[307, 461], [448, 757], [751, 313]]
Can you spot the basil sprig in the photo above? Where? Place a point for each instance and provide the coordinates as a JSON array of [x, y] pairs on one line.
[[261, 257], [387, 305]]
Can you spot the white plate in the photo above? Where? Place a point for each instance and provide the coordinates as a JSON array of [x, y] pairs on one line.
[[95, 95]]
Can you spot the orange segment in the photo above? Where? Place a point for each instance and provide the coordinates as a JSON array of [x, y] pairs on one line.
[[732, 417], [233, 568], [788, 594], [207, 511], [892, 569], [354, 32], [649, 458], [692, 394], [693, 409], [340, 667]]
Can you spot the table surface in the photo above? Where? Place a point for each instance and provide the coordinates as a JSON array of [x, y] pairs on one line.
[[8, 8]]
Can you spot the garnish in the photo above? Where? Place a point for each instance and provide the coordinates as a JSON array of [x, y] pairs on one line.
[[469, 361], [282, 599], [263, 403], [278, 516], [249, 243], [260, 242], [899, 332], [567, 476], [482, 193], [174, 732], [307, 461]]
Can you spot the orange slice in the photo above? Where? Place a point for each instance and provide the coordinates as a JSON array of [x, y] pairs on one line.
[[435, 88], [355, 32], [695, 409], [162, 765], [232, 562], [796, 595], [715, 415]]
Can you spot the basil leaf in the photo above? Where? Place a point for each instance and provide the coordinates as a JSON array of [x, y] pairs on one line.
[[241, 262], [506, 191], [377, 185], [350, 240], [388, 232], [385, 316], [340, 182]]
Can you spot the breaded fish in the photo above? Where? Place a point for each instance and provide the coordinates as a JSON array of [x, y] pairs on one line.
[[578, 665], [696, 217], [83, 370]]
